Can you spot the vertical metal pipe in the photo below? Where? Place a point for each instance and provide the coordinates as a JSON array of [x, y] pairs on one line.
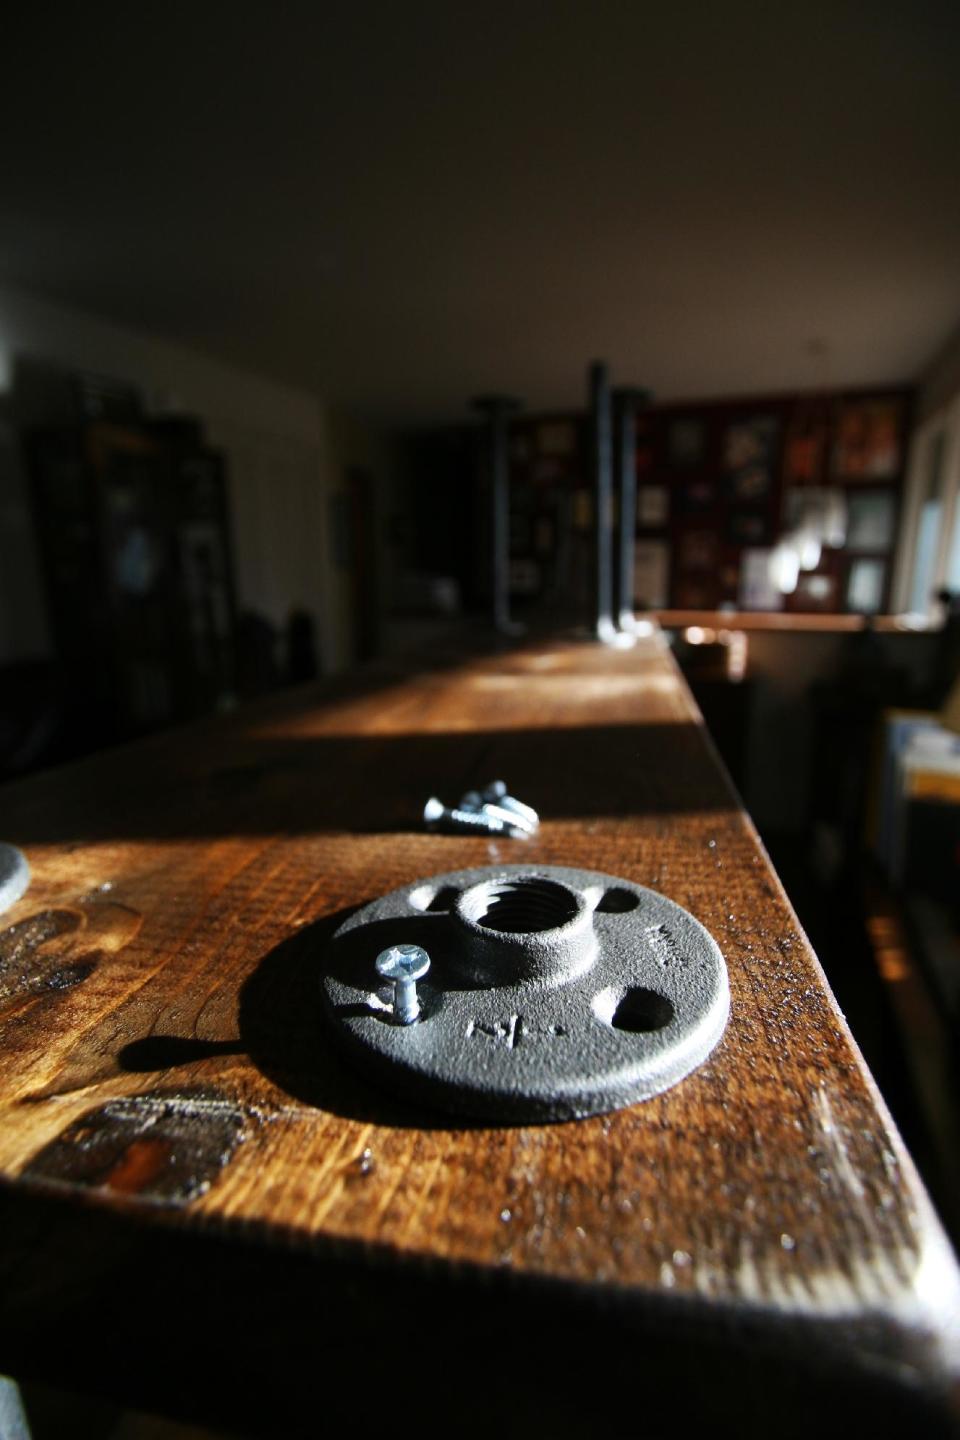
[[603, 500], [500, 478], [497, 408], [626, 403]]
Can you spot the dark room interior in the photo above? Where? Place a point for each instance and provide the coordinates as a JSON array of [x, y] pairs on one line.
[[479, 719]]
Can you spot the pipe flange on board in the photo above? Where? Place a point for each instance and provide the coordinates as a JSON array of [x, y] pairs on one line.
[[552, 993]]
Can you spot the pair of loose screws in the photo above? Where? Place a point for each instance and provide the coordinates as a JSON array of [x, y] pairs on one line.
[[492, 810]]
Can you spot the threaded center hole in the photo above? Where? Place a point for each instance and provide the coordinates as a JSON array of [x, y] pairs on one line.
[[522, 906]]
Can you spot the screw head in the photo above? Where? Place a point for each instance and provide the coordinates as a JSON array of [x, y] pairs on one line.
[[403, 962]]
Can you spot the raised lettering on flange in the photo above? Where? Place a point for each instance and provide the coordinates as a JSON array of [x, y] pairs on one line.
[[665, 949], [509, 1034]]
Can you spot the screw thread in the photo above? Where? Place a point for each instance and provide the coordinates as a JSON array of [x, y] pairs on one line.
[[477, 820], [406, 1006], [465, 819]]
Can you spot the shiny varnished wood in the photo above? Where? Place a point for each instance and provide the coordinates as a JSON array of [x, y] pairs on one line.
[[169, 1091]]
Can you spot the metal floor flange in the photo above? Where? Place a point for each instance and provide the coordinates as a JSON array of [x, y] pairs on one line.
[[552, 994]]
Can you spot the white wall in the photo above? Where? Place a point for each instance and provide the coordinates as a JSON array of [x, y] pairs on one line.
[[940, 382], [936, 424], [279, 459]]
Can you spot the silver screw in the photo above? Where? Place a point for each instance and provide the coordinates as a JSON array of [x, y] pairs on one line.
[[404, 965], [474, 802], [496, 792], [14, 875], [436, 813]]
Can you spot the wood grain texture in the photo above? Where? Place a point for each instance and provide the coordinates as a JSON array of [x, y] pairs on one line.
[[166, 1074]]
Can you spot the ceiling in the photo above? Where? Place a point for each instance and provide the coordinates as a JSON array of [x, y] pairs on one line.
[[401, 204]]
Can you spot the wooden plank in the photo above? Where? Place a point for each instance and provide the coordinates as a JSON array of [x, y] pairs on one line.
[[171, 1105], [759, 620], [793, 620]]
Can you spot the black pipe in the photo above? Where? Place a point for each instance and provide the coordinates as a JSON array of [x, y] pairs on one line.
[[626, 404], [604, 627]]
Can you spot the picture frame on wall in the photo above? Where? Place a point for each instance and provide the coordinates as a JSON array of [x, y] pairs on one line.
[[686, 443], [697, 550], [757, 589], [871, 520], [748, 527], [749, 457], [804, 450], [866, 581], [653, 506], [868, 444], [696, 495], [651, 574], [823, 505]]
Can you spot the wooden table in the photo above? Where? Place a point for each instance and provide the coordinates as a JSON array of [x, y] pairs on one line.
[[800, 621], [204, 1211]]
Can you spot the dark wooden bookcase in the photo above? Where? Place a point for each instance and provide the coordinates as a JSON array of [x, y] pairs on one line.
[[132, 529]]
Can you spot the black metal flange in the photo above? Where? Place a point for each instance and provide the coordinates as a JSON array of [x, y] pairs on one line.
[[552, 993]]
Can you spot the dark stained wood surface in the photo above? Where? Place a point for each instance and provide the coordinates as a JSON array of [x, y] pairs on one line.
[[170, 1099]]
